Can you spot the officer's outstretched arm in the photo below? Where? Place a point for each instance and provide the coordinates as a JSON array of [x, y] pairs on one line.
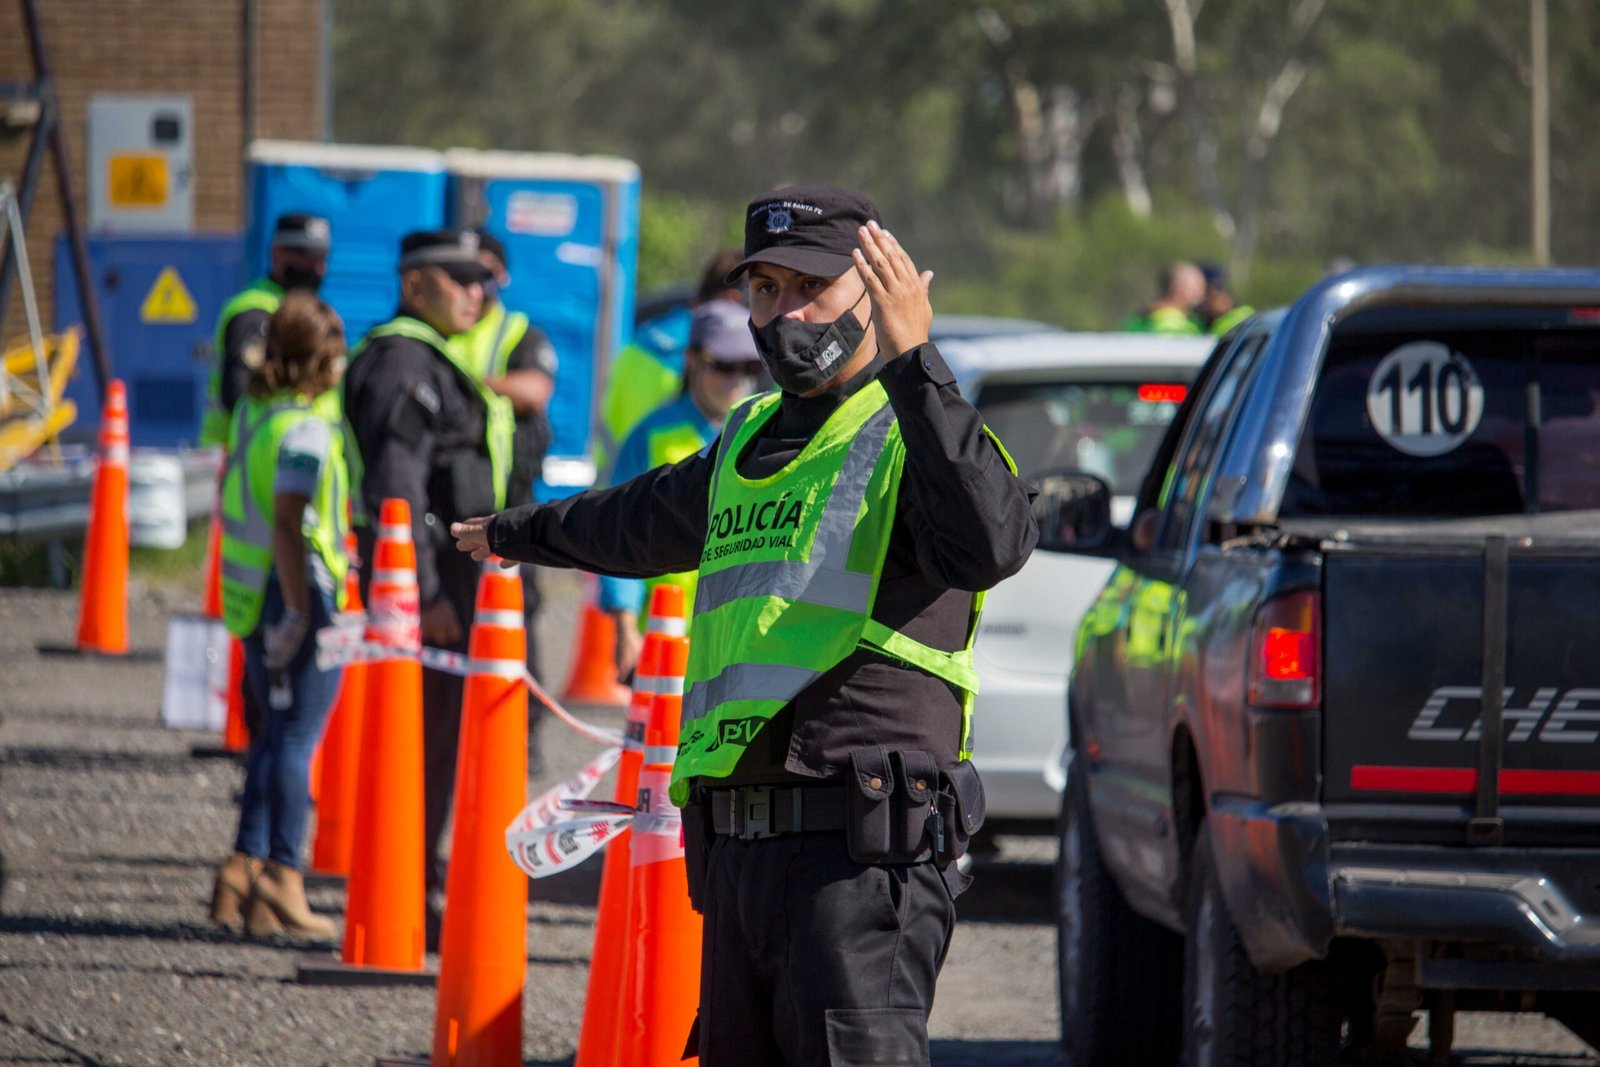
[[650, 525]]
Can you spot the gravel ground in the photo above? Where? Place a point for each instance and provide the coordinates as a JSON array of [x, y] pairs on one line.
[[109, 831]]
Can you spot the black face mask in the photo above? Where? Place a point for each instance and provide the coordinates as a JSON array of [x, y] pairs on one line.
[[300, 278], [804, 356]]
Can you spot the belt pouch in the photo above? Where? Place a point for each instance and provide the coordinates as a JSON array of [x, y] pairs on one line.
[[917, 777], [961, 805], [697, 848], [871, 785]]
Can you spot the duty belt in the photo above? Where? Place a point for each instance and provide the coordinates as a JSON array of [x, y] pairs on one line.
[[757, 811]]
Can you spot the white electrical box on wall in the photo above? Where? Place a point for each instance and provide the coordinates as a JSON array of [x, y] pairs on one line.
[[141, 164]]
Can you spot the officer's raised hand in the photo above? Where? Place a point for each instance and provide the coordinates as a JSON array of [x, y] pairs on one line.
[[901, 313]]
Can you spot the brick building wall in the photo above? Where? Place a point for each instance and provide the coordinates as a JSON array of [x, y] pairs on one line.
[[161, 46]]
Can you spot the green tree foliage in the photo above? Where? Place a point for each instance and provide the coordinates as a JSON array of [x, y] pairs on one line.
[[1043, 157]]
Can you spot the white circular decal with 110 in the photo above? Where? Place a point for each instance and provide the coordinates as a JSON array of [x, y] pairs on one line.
[[1424, 399]]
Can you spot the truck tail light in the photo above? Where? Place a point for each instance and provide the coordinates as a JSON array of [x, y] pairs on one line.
[[1286, 652]]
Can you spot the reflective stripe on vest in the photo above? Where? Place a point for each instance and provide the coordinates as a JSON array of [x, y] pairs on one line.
[[500, 421], [247, 532], [485, 350], [263, 294], [764, 628], [821, 579]]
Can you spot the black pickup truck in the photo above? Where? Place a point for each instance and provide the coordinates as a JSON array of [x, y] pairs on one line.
[[1335, 717]]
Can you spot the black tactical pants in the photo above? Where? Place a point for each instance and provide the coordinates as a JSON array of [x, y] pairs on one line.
[[441, 716], [812, 959]]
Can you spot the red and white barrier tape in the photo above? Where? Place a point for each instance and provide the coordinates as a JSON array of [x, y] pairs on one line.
[[543, 839], [337, 648]]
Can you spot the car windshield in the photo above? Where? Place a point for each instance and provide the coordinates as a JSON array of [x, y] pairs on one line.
[[1452, 424], [1110, 429]]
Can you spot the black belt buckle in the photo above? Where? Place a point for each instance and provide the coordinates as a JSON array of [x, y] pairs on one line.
[[752, 812]]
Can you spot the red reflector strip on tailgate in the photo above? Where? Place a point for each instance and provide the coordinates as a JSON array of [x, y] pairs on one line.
[[1465, 780]]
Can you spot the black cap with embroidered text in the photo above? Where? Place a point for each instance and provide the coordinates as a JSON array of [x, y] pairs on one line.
[[807, 228], [301, 232], [454, 251]]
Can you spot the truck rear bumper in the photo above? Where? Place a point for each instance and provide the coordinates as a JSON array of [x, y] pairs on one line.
[[1540, 902], [1290, 890]]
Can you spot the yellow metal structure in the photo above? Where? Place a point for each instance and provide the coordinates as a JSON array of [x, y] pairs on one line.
[[33, 404]]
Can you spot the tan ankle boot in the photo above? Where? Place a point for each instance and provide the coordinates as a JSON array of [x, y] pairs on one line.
[[232, 887], [278, 902]]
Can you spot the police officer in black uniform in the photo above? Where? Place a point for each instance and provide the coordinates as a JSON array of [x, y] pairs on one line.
[[421, 425], [820, 946]]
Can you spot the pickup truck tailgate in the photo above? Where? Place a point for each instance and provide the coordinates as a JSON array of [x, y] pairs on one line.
[[1404, 673]]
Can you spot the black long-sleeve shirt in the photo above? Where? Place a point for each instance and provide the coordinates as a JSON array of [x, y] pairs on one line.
[[418, 424], [962, 524], [246, 333]]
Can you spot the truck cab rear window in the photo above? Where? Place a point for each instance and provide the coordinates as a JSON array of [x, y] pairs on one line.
[[1452, 424]]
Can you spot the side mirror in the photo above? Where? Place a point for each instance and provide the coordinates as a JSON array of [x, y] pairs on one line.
[[1073, 510]]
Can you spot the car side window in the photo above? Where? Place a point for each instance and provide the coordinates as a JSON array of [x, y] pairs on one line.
[[1191, 470], [1149, 494]]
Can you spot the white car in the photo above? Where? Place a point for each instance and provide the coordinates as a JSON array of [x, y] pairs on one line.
[[1097, 402]]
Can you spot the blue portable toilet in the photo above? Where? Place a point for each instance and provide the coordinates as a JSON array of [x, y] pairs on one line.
[[371, 196], [570, 225], [159, 299]]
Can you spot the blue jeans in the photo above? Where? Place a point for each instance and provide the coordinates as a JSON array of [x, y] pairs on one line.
[[277, 779]]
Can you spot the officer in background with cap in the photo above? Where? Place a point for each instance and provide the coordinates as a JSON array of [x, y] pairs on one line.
[[1219, 312], [300, 247], [721, 367], [844, 529], [430, 432]]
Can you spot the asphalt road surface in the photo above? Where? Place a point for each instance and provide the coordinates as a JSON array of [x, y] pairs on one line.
[[109, 831]]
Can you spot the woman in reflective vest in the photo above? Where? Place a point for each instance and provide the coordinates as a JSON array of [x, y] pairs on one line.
[[284, 508]]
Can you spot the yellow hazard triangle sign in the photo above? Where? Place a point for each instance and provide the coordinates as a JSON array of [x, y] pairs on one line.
[[169, 300]]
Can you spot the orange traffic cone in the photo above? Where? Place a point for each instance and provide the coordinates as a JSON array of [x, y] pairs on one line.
[[235, 731], [103, 609], [483, 945], [341, 760], [663, 967], [597, 1042], [103, 601], [235, 734], [211, 603], [593, 679], [383, 928]]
